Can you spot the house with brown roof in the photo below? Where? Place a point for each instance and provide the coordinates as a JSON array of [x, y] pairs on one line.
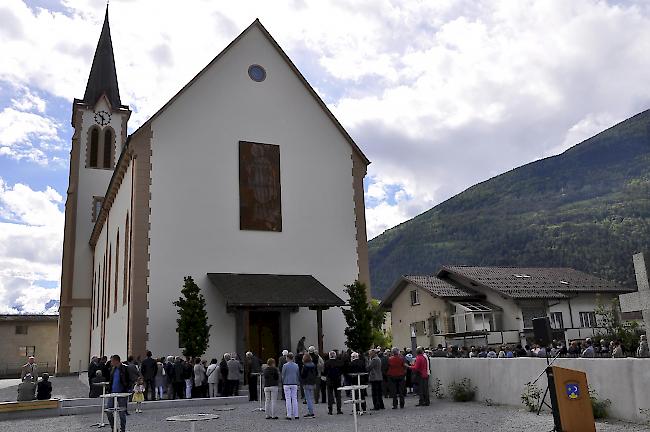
[[466, 305]]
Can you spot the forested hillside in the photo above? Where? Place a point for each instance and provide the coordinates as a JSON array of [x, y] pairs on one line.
[[587, 208]]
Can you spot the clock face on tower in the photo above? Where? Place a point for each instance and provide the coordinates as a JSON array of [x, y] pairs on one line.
[[102, 118]]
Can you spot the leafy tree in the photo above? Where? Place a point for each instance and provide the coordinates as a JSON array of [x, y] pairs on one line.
[[378, 314], [608, 317], [359, 318], [193, 329]]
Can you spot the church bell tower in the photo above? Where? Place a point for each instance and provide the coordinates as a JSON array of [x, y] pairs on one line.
[[100, 127]]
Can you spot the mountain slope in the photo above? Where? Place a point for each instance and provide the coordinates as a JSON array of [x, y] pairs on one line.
[[587, 208]]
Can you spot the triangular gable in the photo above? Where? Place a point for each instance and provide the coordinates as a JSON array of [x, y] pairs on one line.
[[291, 65]]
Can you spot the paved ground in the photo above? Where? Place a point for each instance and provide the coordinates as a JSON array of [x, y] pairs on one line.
[[64, 387], [441, 416], [4, 383]]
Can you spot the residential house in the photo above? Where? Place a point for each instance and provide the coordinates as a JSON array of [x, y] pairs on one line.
[[466, 305], [22, 336]]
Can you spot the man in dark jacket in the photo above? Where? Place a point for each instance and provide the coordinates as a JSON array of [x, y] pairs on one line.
[[132, 374], [223, 370], [44, 388], [179, 380], [118, 383], [149, 370], [358, 366], [333, 371], [105, 365], [252, 365], [96, 388], [93, 367]]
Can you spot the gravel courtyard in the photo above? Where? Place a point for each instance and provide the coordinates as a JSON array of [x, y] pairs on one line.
[[441, 416]]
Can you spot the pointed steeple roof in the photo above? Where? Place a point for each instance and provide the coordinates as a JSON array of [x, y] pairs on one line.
[[103, 78]]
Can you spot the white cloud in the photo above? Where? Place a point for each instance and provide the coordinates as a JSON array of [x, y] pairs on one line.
[[31, 235], [27, 135], [29, 101]]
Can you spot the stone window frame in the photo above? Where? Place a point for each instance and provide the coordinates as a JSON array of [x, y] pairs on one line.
[[25, 350], [111, 164], [415, 299], [588, 316], [107, 306], [101, 146], [127, 253], [557, 320], [117, 269], [89, 143], [96, 209]]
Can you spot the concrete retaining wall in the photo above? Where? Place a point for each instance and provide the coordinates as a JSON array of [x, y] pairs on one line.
[[626, 382], [92, 405]]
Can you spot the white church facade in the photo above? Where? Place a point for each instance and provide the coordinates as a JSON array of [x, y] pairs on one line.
[[244, 180]]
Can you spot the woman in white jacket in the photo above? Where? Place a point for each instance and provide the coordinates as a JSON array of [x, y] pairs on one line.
[[213, 378]]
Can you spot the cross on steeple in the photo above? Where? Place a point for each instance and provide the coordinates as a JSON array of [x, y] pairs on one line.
[[103, 78]]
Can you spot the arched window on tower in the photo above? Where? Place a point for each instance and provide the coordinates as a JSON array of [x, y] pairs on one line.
[[108, 148], [94, 148]]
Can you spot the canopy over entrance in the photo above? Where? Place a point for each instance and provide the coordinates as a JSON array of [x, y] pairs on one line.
[[266, 290], [262, 304]]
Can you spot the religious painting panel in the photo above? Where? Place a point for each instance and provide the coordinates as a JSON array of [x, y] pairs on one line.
[[260, 204]]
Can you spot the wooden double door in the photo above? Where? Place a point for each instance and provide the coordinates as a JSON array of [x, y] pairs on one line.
[[264, 334]]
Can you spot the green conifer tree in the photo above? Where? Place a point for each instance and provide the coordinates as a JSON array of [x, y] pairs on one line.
[[193, 329], [359, 318]]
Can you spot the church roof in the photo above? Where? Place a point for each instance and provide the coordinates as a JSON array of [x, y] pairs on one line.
[[103, 78], [291, 65], [266, 290]]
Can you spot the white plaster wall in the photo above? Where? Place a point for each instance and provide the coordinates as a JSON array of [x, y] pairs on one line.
[[624, 381], [587, 303], [403, 314], [195, 194], [115, 341], [562, 306], [79, 339], [92, 182]]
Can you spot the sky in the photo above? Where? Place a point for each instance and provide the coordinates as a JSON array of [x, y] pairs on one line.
[[439, 94]]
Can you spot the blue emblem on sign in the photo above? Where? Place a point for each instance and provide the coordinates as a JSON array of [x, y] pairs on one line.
[[573, 390]]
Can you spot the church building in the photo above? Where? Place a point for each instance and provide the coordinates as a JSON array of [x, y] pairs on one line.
[[244, 180]]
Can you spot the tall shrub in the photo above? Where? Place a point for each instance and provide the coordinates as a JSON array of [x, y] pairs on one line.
[[193, 329], [358, 318]]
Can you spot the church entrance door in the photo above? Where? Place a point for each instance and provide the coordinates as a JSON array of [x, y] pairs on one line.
[[264, 334]]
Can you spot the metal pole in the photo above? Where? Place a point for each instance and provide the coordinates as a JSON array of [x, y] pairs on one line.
[[101, 423], [261, 392], [115, 416], [354, 411]]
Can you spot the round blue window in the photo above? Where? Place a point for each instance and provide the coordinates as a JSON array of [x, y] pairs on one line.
[[257, 73]]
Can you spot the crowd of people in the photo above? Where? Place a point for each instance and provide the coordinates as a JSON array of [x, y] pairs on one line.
[[307, 376], [576, 348]]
